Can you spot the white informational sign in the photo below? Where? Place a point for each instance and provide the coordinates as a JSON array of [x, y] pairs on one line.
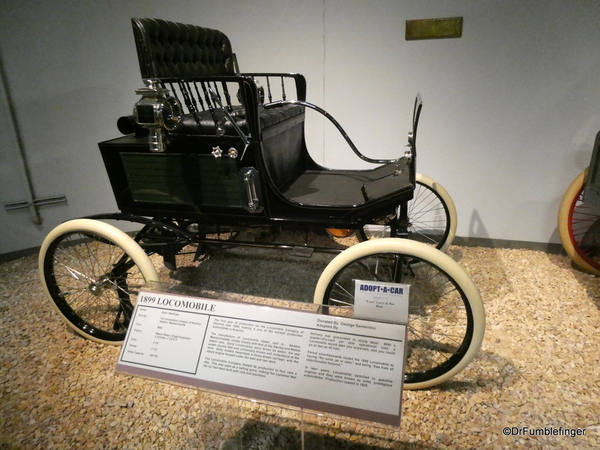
[[325, 363], [381, 301]]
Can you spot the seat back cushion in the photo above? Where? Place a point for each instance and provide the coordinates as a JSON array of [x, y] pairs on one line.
[[175, 50]]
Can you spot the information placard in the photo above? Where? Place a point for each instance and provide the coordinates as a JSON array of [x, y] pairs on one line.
[[325, 363]]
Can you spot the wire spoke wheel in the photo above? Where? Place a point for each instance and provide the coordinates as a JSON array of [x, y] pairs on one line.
[[93, 280], [431, 214], [579, 227], [446, 318]]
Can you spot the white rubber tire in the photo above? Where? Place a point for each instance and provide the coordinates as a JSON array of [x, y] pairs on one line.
[[443, 193], [118, 237], [424, 252], [564, 211]]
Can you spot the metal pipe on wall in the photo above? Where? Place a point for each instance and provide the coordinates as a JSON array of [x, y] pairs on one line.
[[35, 216]]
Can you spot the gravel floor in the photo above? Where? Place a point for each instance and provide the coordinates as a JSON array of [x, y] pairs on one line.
[[539, 367]]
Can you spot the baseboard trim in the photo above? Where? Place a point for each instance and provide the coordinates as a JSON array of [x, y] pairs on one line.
[[546, 247], [10, 256]]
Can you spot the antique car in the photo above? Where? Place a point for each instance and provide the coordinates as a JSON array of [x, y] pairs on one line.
[[211, 152]]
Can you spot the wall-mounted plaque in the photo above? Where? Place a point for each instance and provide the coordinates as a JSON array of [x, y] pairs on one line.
[[446, 28]]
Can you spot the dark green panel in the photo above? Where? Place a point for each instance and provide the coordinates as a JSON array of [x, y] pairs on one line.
[[182, 179]]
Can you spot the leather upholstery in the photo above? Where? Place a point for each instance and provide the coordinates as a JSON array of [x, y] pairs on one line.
[[205, 123], [349, 188], [176, 50], [168, 49]]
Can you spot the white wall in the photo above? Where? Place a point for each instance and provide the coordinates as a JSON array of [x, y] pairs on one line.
[[511, 108]]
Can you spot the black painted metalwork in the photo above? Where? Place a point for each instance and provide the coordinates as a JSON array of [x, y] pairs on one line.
[[222, 164]]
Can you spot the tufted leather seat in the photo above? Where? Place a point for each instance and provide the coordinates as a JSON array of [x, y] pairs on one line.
[[168, 50], [174, 50]]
